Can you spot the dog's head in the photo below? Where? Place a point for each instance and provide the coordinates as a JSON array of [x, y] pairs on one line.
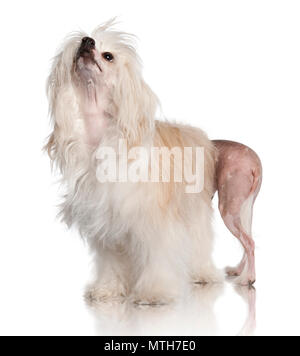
[[96, 82]]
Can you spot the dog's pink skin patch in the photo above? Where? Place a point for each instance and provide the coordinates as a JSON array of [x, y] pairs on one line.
[[238, 178]]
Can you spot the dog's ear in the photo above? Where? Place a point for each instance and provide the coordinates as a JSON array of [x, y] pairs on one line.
[[52, 89], [136, 105], [61, 71], [63, 109]]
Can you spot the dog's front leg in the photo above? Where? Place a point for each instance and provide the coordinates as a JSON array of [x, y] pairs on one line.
[[111, 277], [159, 275]]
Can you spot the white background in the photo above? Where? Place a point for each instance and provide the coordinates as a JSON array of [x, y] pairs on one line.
[[229, 67]]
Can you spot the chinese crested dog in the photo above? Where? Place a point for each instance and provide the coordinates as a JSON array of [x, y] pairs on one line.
[[150, 239]]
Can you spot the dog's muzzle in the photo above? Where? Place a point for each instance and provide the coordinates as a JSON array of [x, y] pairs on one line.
[[86, 48], [86, 54]]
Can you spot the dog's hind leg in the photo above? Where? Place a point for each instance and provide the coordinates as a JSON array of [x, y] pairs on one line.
[[236, 212], [239, 177]]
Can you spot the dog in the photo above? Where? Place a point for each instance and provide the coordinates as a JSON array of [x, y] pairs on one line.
[[149, 240]]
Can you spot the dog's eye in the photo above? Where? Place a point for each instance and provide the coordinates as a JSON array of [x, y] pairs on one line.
[[108, 56]]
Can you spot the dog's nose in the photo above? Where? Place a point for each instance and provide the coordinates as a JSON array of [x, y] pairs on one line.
[[88, 43]]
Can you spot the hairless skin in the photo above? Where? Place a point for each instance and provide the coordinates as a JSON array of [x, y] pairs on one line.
[[238, 182]]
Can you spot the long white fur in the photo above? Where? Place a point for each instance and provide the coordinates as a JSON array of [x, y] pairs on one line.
[[149, 240]]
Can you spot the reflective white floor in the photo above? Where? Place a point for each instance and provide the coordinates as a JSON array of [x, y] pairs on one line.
[[197, 314]]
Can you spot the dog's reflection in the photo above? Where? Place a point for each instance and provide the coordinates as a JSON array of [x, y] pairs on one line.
[[248, 294], [193, 316]]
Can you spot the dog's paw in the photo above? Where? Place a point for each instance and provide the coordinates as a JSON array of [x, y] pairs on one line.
[[212, 276], [103, 294], [241, 276], [233, 271], [244, 280]]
